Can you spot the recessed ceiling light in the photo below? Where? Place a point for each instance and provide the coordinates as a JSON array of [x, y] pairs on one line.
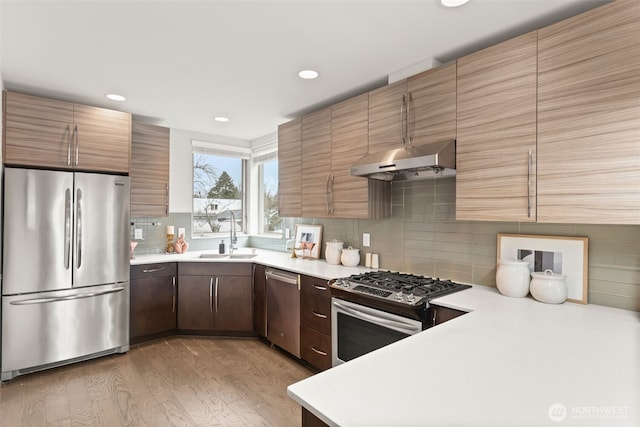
[[453, 3], [308, 74], [115, 97], [221, 119]]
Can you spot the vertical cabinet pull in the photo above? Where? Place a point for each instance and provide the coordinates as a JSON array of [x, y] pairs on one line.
[[216, 297], [433, 320], [402, 121], [69, 138], [408, 121], [211, 295], [166, 200], [173, 309], [75, 133], [529, 168], [326, 191]]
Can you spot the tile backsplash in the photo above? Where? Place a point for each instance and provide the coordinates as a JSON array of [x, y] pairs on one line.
[[423, 237]]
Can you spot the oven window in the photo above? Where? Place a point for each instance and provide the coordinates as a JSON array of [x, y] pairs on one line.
[[357, 337]]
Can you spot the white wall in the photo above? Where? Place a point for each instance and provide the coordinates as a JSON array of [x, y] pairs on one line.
[[181, 165]]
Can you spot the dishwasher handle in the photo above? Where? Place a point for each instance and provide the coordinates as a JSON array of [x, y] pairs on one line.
[[291, 279]]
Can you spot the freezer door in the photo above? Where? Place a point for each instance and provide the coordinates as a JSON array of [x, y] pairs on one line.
[[69, 325], [101, 232], [38, 224]]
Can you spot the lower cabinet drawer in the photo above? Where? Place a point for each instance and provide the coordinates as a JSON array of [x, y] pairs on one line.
[[315, 348], [315, 312]]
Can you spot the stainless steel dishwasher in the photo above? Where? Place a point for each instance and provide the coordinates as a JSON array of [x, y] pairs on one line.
[[283, 310]]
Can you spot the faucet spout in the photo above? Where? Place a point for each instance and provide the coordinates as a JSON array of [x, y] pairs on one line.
[[233, 238]]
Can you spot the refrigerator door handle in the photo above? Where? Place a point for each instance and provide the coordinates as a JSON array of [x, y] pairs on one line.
[[67, 298], [67, 228], [78, 228]]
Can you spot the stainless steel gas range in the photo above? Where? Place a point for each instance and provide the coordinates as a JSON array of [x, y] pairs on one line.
[[374, 309]]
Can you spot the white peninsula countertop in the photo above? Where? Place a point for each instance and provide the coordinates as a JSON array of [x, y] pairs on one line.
[[508, 362]]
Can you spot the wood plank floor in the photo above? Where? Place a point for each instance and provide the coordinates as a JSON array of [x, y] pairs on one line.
[[178, 381]]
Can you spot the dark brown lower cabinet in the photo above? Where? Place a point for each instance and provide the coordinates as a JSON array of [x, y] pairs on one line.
[[153, 305], [259, 300], [315, 322], [310, 420], [440, 314], [215, 298]]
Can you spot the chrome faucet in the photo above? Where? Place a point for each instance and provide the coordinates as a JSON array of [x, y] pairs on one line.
[[233, 238]]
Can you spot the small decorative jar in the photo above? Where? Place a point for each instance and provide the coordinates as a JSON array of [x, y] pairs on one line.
[[512, 278], [549, 287], [350, 257], [333, 251]]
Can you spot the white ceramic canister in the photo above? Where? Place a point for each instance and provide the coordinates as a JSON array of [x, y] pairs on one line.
[[350, 257], [512, 278], [549, 287], [333, 251]]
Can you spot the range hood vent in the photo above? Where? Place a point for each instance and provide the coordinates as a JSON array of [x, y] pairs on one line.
[[434, 160]]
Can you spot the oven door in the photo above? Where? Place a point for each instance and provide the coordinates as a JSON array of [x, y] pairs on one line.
[[358, 330]]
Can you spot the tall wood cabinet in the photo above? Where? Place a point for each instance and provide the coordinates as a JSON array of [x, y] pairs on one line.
[[316, 163], [54, 134], [496, 132], [290, 168], [431, 105], [215, 297], [385, 110], [149, 170], [589, 117]]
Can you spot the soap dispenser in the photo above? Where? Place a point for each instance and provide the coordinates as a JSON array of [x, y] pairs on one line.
[[221, 247]]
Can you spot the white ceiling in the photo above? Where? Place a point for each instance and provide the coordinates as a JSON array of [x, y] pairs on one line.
[[180, 63]]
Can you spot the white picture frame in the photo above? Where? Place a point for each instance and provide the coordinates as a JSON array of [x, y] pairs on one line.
[[563, 255], [306, 234]]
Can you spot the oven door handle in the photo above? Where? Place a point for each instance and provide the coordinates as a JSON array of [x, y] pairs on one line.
[[406, 327]]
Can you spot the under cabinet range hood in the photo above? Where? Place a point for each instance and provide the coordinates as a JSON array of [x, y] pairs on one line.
[[434, 160]]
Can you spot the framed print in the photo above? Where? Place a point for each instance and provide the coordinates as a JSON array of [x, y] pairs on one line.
[[563, 255], [308, 241]]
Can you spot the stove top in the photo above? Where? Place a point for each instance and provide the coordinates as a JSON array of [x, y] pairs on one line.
[[403, 288]]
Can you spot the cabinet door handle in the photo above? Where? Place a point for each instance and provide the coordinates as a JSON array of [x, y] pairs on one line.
[[529, 168], [320, 315], [211, 295], [173, 310], [408, 120], [402, 131], [217, 281], [320, 288], [321, 353], [69, 138], [75, 132], [152, 270], [326, 192], [433, 320], [166, 199]]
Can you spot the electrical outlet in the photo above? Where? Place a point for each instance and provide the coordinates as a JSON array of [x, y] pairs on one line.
[[366, 240], [181, 231], [138, 233], [287, 233]]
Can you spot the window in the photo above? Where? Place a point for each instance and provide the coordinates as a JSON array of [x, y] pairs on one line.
[[271, 223], [218, 193]]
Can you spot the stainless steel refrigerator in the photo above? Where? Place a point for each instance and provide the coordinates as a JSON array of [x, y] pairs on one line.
[[65, 268]]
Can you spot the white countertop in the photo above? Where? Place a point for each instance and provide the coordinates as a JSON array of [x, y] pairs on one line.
[[505, 363], [283, 260]]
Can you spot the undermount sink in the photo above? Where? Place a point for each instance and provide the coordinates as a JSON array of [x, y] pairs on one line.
[[228, 256]]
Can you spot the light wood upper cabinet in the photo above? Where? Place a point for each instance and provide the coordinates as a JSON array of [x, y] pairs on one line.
[[316, 163], [47, 133], [385, 108], [431, 107], [496, 130], [149, 170], [589, 117], [349, 143], [37, 131], [290, 169]]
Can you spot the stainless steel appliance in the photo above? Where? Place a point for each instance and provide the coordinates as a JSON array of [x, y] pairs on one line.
[[283, 310], [65, 276], [374, 309], [434, 160]]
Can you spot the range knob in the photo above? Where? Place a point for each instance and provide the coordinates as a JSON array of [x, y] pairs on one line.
[[408, 290]]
